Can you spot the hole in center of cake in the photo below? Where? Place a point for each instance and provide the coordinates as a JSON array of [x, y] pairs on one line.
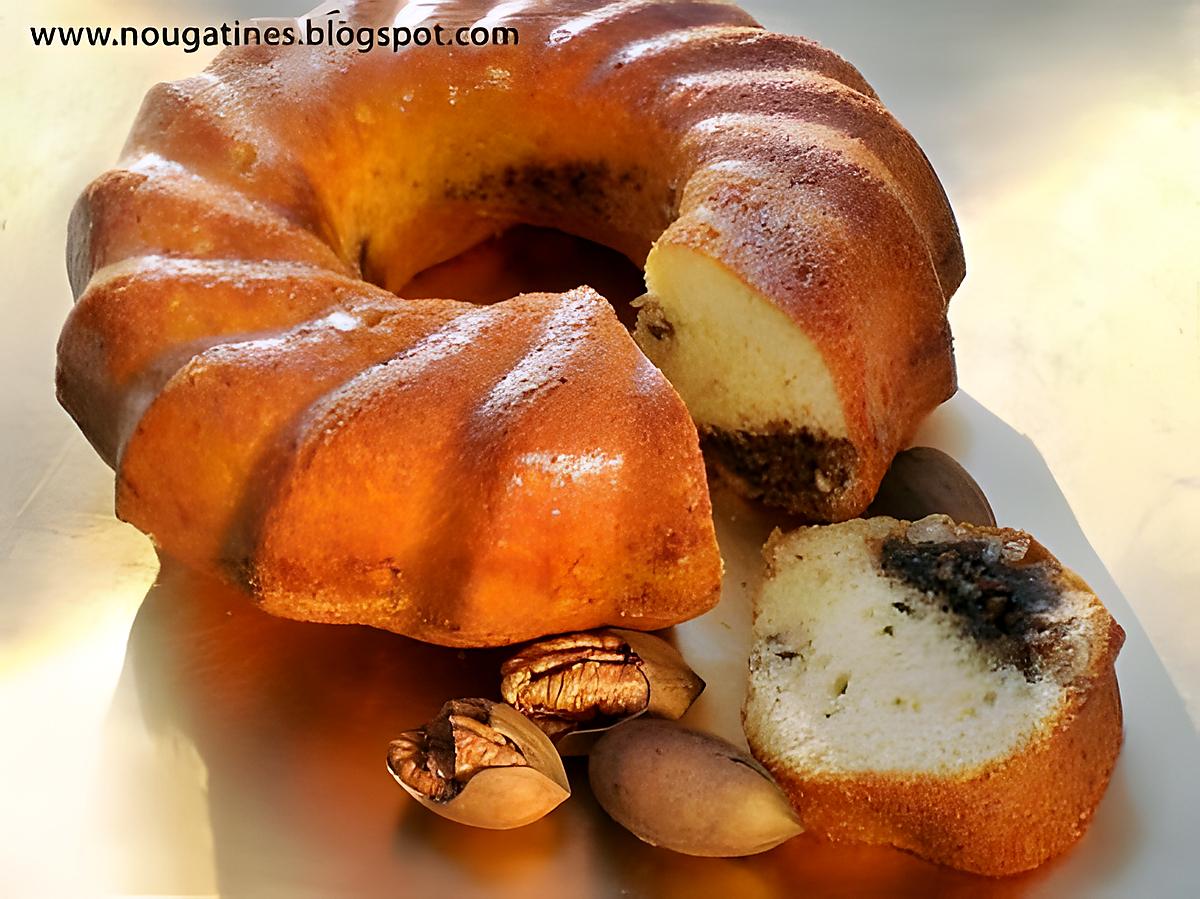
[[528, 259]]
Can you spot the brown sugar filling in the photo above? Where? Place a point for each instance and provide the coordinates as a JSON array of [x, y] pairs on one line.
[[793, 468], [1001, 605]]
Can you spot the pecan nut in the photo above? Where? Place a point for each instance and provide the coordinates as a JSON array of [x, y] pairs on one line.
[[923, 481], [593, 680], [480, 763], [645, 773]]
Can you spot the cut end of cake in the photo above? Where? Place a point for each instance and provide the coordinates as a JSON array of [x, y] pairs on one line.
[[808, 474], [944, 688], [758, 388]]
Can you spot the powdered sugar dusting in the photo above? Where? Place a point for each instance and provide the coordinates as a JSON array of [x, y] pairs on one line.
[[442, 344], [564, 331], [214, 271], [664, 42], [700, 81], [340, 321], [574, 27], [565, 468]]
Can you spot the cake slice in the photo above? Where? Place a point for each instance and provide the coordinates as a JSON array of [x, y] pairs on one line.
[[946, 689]]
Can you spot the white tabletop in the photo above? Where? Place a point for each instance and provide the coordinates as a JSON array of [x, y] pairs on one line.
[[1066, 134]]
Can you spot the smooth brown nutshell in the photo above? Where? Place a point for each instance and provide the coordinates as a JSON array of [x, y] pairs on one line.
[[688, 791], [925, 481], [591, 680], [480, 763]]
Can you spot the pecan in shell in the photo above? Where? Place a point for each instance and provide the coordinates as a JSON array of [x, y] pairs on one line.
[[442, 757], [575, 678], [480, 763], [592, 680]]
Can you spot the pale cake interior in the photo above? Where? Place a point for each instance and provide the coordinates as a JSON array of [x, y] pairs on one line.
[[855, 670], [739, 363]]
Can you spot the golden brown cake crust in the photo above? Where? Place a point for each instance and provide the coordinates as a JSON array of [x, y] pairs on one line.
[[1007, 815], [284, 185], [1010, 816]]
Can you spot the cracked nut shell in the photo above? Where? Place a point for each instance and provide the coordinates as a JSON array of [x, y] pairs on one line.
[[688, 791], [594, 679], [923, 481], [480, 763]]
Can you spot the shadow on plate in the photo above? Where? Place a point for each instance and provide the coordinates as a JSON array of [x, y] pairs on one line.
[[290, 721]]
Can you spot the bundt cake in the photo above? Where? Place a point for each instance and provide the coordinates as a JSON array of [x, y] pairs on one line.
[[947, 689], [277, 414]]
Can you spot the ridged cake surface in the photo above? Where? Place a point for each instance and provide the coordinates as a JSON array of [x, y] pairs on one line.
[[276, 413]]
